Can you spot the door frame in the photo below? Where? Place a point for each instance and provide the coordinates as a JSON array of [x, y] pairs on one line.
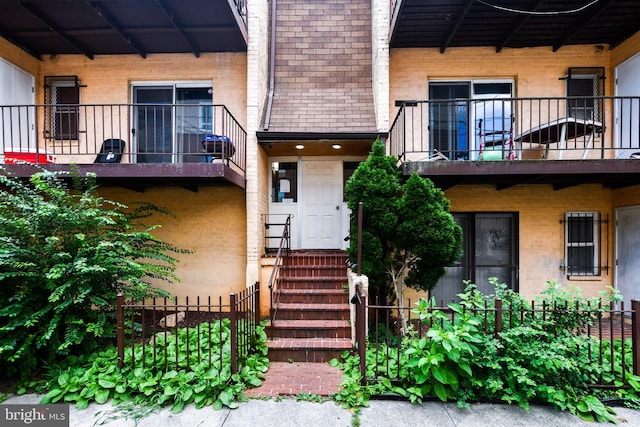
[[296, 209]]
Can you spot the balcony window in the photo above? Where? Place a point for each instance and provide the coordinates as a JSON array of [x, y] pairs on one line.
[[62, 94], [584, 85]]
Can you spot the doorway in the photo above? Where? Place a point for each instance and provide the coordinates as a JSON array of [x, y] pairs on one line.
[[627, 85], [310, 192], [321, 204], [627, 253]]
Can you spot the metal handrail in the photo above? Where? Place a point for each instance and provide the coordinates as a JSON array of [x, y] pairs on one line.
[[280, 261], [516, 128]]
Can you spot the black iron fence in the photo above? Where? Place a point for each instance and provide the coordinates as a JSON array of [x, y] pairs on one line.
[[163, 334], [504, 128], [121, 133], [603, 325]]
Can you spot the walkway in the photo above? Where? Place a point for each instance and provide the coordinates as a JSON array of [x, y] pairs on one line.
[[286, 379]]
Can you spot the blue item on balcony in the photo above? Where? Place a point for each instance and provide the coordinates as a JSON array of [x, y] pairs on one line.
[[217, 147], [111, 151]]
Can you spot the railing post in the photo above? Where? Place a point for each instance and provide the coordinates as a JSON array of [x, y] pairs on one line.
[[256, 308], [359, 256], [120, 328], [498, 325], [361, 332], [635, 335], [233, 317]]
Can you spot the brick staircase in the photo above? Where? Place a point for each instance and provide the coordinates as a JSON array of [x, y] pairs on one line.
[[312, 309]]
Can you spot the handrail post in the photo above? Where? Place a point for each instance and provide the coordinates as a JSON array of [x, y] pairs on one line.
[[498, 321], [359, 256], [361, 332], [257, 303], [635, 335], [120, 328], [233, 317]]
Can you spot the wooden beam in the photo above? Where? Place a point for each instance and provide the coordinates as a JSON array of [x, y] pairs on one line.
[[456, 25], [54, 28], [169, 14], [112, 22]]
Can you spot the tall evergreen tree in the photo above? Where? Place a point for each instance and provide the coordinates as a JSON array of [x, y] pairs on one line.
[[408, 234]]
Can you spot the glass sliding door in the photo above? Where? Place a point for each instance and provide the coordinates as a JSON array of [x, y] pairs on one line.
[[493, 119], [170, 122], [153, 129], [194, 120], [468, 116], [448, 119]]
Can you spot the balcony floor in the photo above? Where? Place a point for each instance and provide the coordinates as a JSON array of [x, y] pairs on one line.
[[141, 176], [611, 173]]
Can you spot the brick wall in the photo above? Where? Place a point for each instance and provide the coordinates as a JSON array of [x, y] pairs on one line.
[[323, 66], [541, 232], [212, 223]]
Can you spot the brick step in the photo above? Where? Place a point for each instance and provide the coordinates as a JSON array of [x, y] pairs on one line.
[[313, 296], [319, 350], [317, 260], [312, 311], [313, 283], [309, 329], [314, 271]]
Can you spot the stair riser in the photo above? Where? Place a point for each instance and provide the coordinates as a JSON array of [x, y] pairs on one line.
[[313, 284], [275, 332], [313, 299], [303, 355], [310, 314], [338, 272], [337, 261]]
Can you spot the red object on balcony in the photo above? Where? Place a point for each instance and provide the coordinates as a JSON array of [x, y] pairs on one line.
[[31, 156]]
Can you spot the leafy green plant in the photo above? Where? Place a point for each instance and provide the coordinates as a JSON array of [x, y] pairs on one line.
[[539, 356], [65, 253], [96, 378]]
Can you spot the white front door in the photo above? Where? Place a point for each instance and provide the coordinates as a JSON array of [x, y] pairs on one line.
[[321, 208], [626, 129], [628, 253]]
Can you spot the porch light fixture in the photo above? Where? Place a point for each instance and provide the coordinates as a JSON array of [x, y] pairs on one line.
[[336, 146], [299, 146]]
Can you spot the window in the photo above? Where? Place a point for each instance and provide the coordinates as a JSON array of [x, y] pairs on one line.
[[62, 97], [489, 249], [581, 243], [348, 168], [584, 86], [284, 182]]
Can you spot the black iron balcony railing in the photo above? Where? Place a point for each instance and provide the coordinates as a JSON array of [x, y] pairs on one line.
[[121, 133], [517, 129]]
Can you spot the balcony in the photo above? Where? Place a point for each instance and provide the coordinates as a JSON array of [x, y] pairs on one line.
[[509, 141], [130, 145]]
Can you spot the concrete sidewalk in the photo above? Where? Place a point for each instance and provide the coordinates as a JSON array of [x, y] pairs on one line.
[[288, 412]]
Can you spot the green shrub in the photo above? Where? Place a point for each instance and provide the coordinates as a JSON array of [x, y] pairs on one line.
[[64, 255], [538, 357]]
